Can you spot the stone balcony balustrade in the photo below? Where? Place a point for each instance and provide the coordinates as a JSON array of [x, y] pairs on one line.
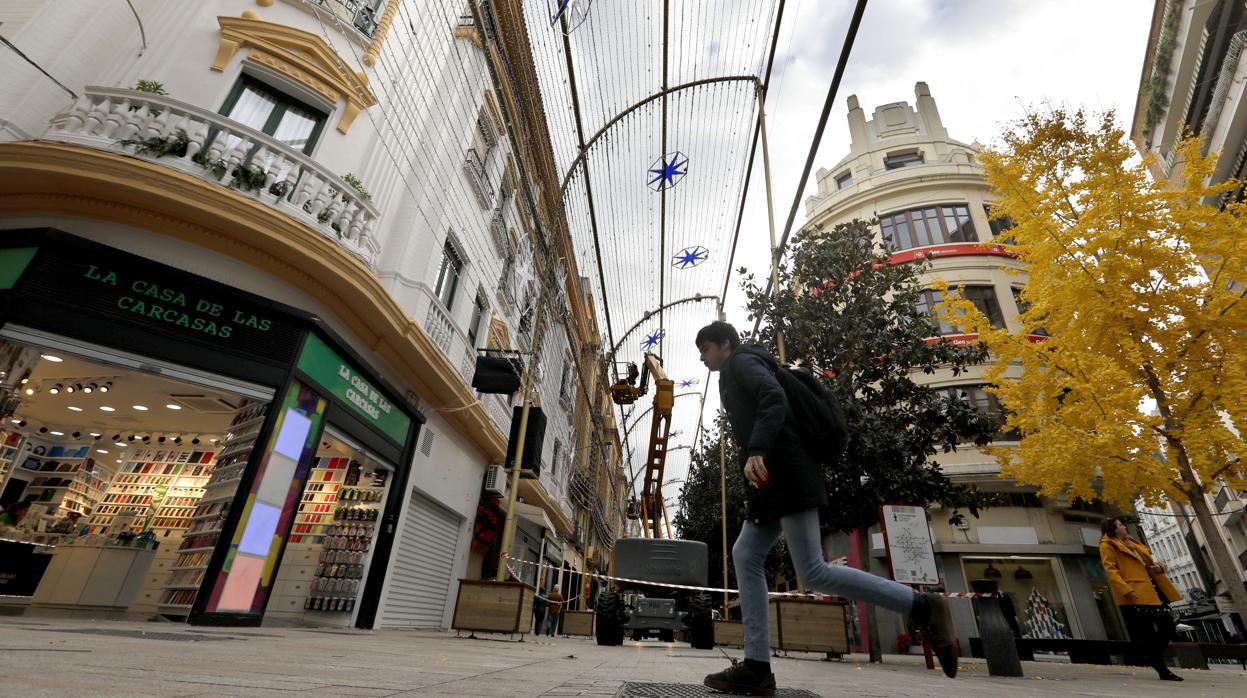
[[216, 149]]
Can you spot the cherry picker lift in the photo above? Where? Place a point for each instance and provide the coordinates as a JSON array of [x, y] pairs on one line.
[[641, 607]]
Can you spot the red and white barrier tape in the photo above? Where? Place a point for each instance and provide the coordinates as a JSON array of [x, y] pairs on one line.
[[717, 590]]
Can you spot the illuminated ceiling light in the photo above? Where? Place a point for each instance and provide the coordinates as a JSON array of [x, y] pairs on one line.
[[71, 388], [53, 359], [106, 387], [89, 388], [173, 406], [55, 389], [106, 408], [25, 381], [30, 391], [57, 433], [140, 408], [100, 450], [118, 443], [73, 409]]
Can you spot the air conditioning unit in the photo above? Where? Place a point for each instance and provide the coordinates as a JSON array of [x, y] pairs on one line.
[[496, 480]]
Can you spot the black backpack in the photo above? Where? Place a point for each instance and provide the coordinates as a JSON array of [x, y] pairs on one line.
[[819, 419]]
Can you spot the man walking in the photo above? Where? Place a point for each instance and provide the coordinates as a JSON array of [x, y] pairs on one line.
[[784, 489]]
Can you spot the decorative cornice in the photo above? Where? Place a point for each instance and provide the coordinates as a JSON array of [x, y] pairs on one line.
[[299, 55], [53, 178]]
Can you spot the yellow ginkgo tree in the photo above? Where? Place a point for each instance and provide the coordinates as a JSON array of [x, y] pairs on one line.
[[1140, 387]]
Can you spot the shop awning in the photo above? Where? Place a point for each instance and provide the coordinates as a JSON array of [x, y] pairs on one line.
[[534, 493], [534, 515]]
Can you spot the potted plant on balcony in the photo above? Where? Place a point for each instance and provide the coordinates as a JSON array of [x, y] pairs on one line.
[[174, 144], [358, 186]]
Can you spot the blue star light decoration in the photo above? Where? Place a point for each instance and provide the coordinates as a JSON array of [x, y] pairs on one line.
[[667, 170], [690, 257], [674, 434], [688, 383], [576, 11], [628, 413], [652, 339]]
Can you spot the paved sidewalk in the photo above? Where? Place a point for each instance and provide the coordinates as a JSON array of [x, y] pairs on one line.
[[52, 657]]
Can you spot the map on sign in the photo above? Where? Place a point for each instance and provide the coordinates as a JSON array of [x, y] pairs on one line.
[[909, 545]]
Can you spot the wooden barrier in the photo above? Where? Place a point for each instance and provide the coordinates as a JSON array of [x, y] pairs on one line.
[[809, 625], [729, 633], [578, 622], [496, 607]]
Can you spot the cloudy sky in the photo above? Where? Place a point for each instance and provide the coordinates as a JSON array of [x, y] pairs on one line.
[[985, 61]]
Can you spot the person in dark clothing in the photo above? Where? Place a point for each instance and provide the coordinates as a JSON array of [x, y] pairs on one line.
[[539, 615], [784, 488]]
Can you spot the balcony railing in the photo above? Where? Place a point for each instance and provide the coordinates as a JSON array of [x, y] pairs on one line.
[[219, 150], [454, 344], [474, 167]]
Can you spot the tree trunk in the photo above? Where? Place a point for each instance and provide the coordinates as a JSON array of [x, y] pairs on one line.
[[1222, 560], [872, 620]]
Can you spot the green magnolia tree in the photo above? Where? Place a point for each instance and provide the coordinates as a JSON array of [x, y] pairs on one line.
[[700, 512], [1139, 286]]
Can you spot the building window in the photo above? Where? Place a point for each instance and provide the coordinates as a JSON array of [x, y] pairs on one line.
[[895, 161], [998, 224], [478, 317], [254, 104], [486, 135], [554, 461], [1023, 306], [927, 300], [448, 275], [984, 298], [932, 225], [565, 383], [845, 180], [989, 406]]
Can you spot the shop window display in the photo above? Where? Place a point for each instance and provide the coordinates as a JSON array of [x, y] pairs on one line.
[[1032, 586], [118, 460], [330, 548]]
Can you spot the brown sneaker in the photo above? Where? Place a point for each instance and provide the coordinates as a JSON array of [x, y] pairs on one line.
[[939, 631], [741, 680]]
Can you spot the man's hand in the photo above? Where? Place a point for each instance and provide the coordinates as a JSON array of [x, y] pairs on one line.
[[755, 472], [1131, 597]]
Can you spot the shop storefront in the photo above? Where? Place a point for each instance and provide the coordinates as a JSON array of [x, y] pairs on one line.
[[173, 446], [1037, 589]]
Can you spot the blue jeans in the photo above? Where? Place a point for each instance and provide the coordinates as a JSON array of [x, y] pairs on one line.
[[801, 532], [552, 625]]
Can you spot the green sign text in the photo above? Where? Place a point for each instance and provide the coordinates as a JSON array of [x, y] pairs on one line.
[[155, 301], [333, 373]]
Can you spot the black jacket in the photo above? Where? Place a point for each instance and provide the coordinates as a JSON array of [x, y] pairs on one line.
[[760, 417]]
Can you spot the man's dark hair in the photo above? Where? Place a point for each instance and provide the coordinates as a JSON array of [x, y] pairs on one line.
[[1109, 526], [718, 332]]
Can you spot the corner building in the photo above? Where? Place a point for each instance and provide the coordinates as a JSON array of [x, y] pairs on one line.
[[249, 249], [930, 198]]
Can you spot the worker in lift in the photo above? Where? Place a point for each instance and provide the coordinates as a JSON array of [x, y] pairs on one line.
[[784, 489]]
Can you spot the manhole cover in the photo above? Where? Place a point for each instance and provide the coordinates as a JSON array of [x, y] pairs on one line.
[[139, 634], [688, 690]]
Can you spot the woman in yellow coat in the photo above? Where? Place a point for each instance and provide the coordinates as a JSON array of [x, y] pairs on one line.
[[1141, 590]]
